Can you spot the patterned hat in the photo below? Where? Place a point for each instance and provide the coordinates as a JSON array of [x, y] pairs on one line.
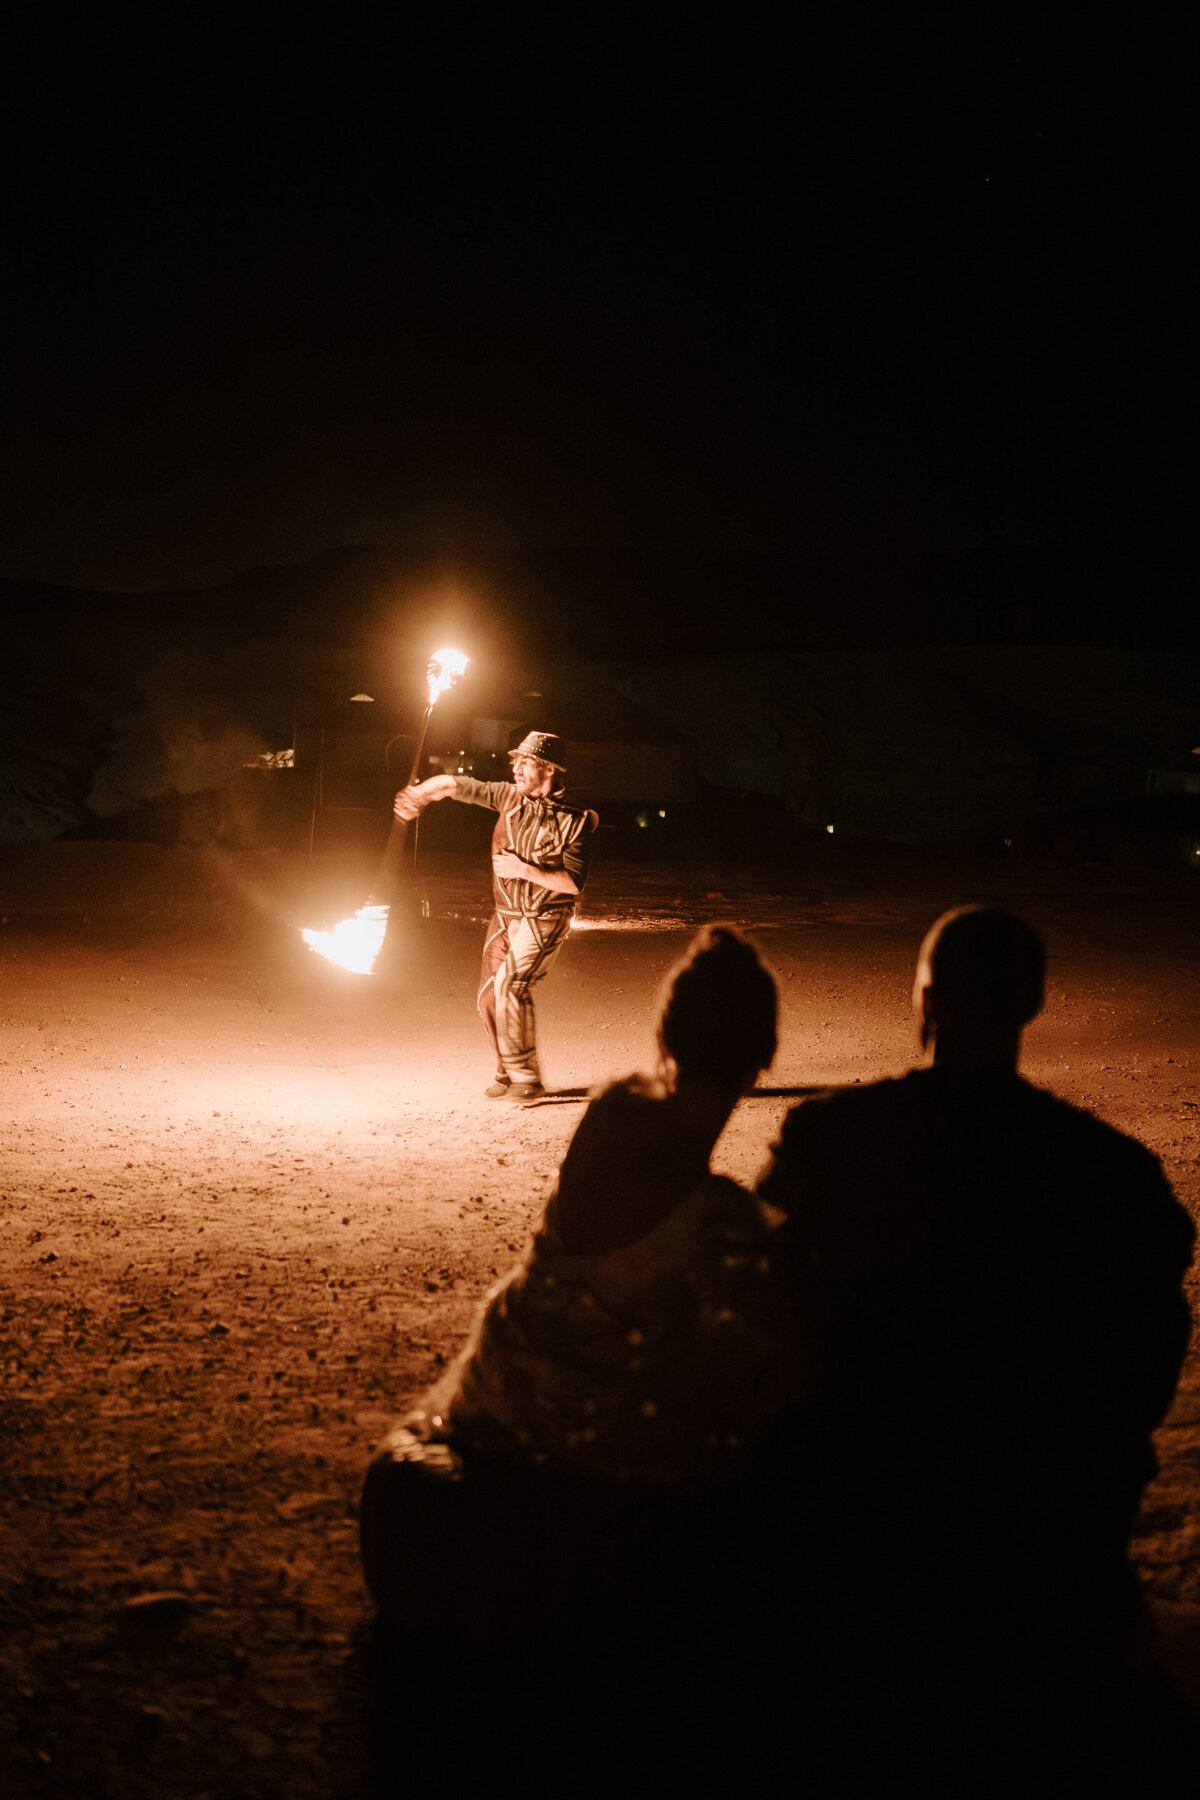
[[543, 747]]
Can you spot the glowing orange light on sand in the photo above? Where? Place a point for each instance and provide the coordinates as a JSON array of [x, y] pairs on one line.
[[643, 923], [354, 943]]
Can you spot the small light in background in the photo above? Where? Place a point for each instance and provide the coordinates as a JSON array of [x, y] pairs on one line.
[[661, 813], [272, 759], [642, 819], [829, 829], [368, 697]]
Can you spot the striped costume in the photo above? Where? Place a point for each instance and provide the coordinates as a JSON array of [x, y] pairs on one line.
[[530, 923]]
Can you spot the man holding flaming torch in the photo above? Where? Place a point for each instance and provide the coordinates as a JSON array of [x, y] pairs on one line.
[[539, 866]]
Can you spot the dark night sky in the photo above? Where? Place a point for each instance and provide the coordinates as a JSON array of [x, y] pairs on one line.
[[556, 281]]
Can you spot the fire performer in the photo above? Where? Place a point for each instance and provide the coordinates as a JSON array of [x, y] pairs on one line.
[[539, 866]]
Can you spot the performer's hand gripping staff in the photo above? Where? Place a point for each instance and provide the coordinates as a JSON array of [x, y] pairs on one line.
[[412, 800], [355, 943], [407, 807]]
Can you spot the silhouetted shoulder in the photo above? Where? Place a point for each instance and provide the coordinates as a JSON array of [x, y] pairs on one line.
[[630, 1162], [1112, 1174], [1044, 1118], [941, 1099], [838, 1115], [623, 1107], [1014, 1147]]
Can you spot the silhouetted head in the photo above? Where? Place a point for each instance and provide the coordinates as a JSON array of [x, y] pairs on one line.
[[719, 1009], [981, 977]]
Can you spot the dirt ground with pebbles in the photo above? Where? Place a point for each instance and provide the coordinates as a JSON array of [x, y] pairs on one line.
[[248, 1204]]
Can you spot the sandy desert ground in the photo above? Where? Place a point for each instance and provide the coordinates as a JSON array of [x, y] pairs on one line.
[[248, 1203]]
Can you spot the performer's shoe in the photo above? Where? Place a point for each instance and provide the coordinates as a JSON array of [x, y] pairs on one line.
[[532, 1090], [499, 1088]]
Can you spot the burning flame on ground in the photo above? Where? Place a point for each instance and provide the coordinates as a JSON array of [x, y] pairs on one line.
[[445, 666], [353, 944]]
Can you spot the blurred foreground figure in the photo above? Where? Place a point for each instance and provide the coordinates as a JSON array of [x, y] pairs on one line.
[[994, 1283], [539, 866], [554, 1504]]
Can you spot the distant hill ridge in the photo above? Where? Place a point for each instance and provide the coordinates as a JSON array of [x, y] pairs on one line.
[[615, 601]]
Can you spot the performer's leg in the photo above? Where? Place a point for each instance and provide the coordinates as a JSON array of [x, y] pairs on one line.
[[533, 945], [495, 949]]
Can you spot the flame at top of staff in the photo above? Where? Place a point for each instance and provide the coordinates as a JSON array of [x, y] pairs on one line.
[[445, 667]]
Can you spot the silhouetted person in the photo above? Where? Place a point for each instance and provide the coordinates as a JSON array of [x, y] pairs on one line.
[[993, 1279], [555, 1499]]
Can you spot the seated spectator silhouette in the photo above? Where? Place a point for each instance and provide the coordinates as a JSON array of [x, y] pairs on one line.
[[555, 1488], [993, 1280]]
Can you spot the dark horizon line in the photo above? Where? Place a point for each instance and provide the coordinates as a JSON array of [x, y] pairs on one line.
[[621, 600], [1108, 557]]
